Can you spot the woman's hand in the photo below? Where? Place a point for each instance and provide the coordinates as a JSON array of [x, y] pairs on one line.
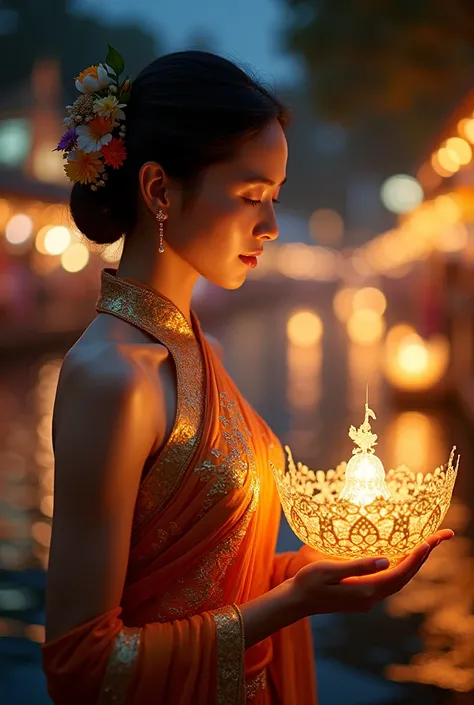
[[326, 586]]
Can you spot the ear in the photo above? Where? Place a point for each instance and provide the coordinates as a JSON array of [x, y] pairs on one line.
[[153, 186]]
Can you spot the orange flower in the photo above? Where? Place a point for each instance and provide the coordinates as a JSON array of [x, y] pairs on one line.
[[91, 71], [84, 167], [92, 80], [114, 153], [91, 137]]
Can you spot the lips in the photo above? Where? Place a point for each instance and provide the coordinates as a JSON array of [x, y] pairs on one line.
[[256, 253], [249, 260]]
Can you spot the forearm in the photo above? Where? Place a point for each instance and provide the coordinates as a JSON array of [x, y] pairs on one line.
[[269, 613]]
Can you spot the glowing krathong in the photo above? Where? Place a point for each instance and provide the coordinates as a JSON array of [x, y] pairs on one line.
[[355, 510]]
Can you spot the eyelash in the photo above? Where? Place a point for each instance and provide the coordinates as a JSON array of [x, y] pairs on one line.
[[253, 202]]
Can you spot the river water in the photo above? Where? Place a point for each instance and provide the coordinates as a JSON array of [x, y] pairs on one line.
[[416, 647]]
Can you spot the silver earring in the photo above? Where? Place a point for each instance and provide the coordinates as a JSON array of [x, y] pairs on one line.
[[161, 217]]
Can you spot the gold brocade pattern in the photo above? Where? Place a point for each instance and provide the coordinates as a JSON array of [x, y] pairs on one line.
[[224, 472], [201, 589], [254, 686], [230, 656], [122, 663], [228, 472], [158, 316]]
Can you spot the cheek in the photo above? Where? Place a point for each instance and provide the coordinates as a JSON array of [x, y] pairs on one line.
[[221, 224]]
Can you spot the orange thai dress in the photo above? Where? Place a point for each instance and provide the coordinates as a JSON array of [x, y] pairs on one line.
[[204, 534]]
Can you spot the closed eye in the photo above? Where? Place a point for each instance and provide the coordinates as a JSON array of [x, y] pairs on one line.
[[254, 202]]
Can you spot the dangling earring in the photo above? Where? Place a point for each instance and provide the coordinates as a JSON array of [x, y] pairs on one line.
[[161, 217]]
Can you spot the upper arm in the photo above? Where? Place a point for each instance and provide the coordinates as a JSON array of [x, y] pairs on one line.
[[103, 432]]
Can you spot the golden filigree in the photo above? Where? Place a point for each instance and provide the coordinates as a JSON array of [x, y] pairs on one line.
[[390, 527], [363, 436]]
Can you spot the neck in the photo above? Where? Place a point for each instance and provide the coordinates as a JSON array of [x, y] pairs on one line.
[[165, 273]]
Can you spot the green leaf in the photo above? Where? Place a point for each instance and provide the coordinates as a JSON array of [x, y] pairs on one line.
[[115, 60]]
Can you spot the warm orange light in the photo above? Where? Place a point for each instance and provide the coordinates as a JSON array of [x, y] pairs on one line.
[[35, 632], [46, 505], [5, 212], [448, 160], [304, 364], [412, 363], [412, 356], [56, 240], [438, 168], [460, 148], [41, 532], [296, 260], [466, 129], [371, 298], [304, 328], [75, 257], [19, 229], [447, 208], [343, 303], [428, 177], [415, 435], [453, 238], [365, 327]]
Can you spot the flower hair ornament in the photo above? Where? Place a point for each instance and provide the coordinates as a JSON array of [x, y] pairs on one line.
[[95, 137]]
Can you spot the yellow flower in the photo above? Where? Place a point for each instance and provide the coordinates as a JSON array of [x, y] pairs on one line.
[[92, 80], [109, 107], [84, 167]]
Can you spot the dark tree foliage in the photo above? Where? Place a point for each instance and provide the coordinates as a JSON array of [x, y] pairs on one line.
[[34, 29], [369, 58]]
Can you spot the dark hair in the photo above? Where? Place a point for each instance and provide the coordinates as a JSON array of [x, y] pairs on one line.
[[187, 110]]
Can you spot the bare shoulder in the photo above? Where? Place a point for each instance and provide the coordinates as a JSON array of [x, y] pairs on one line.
[[101, 376], [216, 345], [103, 431]]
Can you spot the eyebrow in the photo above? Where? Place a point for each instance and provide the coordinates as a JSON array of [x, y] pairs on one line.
[[263, 180]]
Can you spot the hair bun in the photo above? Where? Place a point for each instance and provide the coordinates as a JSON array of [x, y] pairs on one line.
[[93, 215]]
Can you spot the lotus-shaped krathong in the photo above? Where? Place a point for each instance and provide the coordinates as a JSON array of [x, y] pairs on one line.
[[356, 511]]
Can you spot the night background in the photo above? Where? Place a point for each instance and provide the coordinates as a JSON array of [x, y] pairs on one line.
[[371, 280]]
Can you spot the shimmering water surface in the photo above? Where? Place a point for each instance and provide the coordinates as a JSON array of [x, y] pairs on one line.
[[418, 647]]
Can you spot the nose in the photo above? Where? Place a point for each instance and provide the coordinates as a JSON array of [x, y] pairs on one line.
[[267, 228]]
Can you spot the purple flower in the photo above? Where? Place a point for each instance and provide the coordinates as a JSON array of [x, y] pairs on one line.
[[67, 141]]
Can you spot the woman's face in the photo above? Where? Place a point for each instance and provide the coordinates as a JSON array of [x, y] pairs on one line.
[[232, 215]]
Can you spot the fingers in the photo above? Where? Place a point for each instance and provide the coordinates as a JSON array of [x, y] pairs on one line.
[[442, 535], [339, 571], [408, 565], [401, 573]]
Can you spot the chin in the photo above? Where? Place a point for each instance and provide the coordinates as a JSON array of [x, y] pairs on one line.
[[230, 283]]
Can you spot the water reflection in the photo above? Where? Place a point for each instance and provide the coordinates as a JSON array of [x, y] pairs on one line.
[[417, 440], [310, 389], [304, 358], [443, 592]]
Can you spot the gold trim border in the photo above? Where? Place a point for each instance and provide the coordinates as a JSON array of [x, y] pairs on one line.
[[121, 666], [230, 656]]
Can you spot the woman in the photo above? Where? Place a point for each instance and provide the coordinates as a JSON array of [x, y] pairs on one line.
[[163, 584]]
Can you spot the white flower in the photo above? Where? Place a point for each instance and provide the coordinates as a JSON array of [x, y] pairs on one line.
[[109, 107], [92, 137], [93, 80]]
